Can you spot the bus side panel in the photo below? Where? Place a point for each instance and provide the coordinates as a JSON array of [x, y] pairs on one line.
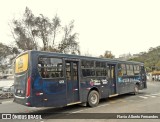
[[145, 84], [122, 85], [126, 84], [37, 83], [54, 93], [37, 87], [143, 78], [46, 92], [100, 84], [131, 84], [144, 81]]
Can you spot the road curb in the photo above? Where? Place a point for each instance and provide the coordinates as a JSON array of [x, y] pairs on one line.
[[5, 102]]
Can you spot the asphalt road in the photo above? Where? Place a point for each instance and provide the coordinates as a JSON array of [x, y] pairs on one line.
[[146, 102]]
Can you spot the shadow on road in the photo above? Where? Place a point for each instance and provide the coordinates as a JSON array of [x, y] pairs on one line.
[[50, 113]]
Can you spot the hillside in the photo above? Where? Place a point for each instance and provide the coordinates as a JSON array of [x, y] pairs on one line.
[[151, 59]]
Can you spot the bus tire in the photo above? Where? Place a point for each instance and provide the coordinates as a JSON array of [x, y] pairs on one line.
[[93, 98], [136, 89]]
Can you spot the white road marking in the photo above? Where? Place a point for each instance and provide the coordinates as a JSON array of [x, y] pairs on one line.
[[149, 96], [88, 109], [5, 102], [131, 100], [80, 110], [103, 105], [156, 94], [143, 97]]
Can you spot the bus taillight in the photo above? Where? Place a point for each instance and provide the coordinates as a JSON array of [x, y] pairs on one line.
[[28, 104], [28, 88]]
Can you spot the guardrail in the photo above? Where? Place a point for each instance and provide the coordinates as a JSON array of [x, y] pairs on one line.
[[6, 92], [6, 95]]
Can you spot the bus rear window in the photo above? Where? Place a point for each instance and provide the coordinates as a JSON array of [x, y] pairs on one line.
[[21, 64]]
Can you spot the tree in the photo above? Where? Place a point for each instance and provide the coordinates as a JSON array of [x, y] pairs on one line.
[[107, 54], [31, 29], [29, 21], [55, 27], [68, 43], [151, 58], [23, 31], [6, 51], [43, 30]]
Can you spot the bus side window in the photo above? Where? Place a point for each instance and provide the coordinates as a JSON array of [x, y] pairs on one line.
[[53, 75], [46, 75], [119, 70], [101, 69], [50, 67], [122, 70], [88, 68], [41, 67], [130, 70], [136, 69]]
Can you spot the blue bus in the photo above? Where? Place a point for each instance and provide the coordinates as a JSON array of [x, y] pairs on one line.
[[48, 79]]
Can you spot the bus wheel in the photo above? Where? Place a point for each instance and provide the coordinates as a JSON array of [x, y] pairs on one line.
[[136, 89], [93, 98]]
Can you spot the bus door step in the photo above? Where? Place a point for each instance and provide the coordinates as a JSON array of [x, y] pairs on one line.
[[113, 95], [73, 103]]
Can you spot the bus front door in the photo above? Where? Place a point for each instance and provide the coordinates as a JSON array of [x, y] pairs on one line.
[[72, 79], [112, 78]]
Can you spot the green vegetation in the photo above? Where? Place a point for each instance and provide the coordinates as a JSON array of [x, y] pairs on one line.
[[32, 32], [107, 54], [151, 59]]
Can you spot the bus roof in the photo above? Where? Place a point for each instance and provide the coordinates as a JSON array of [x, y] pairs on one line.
[[81, 57]]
